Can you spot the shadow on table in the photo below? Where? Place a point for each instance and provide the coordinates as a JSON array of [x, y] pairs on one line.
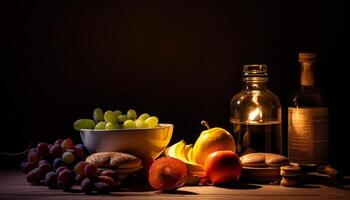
[[137, 188], [145, 188], [239, 186], [177, 192]]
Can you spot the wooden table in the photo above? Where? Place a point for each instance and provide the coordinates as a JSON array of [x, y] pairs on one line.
[[13, 185]]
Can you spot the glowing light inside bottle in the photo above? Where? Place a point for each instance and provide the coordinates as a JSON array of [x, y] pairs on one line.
[[253, 115]]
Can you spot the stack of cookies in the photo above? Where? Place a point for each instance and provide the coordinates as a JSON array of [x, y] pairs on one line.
[[262, 167], [121, 163], [291, 176]]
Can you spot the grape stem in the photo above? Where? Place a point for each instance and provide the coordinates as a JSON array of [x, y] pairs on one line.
[[203, 122], [17, 154]]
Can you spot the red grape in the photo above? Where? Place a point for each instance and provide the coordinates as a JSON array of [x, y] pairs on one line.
[[78, 152], [66, 178], [102, 188], [42, 149], [56, 151], [87, 185], [79, 179], [83, 148], [44, 168], [90, 170], [27, 167], [57, 163], [80, 168], [51, 180], [59, 169], [33, 157], [67, 143], [34, 176]]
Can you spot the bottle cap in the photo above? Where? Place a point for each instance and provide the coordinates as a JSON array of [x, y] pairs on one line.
[[307, 57], [255, 70]]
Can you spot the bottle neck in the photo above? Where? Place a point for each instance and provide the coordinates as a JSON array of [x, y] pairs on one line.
[[255, 83], [307, 74]]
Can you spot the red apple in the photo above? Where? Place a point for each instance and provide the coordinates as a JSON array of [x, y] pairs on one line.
[[223, 167]]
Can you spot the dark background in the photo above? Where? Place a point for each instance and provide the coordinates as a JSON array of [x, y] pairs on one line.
[[178, 60]]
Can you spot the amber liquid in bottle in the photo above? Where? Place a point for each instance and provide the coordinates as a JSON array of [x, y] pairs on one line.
[[256, 114], [308, 119]]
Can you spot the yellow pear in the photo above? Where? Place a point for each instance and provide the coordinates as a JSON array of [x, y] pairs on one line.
[[211, 140]]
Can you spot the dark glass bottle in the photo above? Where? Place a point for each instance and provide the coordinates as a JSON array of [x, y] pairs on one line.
[[308, 119]]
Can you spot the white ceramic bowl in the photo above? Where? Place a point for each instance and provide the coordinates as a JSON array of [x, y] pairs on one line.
[[143, 143]]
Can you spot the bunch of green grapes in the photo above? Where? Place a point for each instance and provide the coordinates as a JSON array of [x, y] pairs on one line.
[[116, 120]]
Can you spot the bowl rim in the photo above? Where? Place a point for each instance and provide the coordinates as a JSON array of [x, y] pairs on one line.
[[162, 126]]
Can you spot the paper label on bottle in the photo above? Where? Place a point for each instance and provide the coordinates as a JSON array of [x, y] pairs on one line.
[[308, 135]]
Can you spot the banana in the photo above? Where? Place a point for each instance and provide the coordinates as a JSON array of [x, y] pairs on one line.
[[180, 151], [183, 152], [188, 150]]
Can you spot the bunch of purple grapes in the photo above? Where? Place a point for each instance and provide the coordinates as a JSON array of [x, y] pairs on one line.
[[62, 165]]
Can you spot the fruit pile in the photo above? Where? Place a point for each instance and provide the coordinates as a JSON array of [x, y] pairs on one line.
[[210, 160], [212, 156], [62, 165], [116, 120]]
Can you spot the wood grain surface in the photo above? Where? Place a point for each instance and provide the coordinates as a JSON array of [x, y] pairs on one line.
[[13, 185]]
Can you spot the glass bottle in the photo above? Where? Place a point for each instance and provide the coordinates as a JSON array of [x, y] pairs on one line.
[[256, 114], [308, 119]]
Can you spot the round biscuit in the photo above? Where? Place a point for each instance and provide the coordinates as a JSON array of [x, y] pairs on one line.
[[275, 160], [290, 182], [263, 160], [290, 170], [114, 160], [254, 160], [125, 161], [100, 159]]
